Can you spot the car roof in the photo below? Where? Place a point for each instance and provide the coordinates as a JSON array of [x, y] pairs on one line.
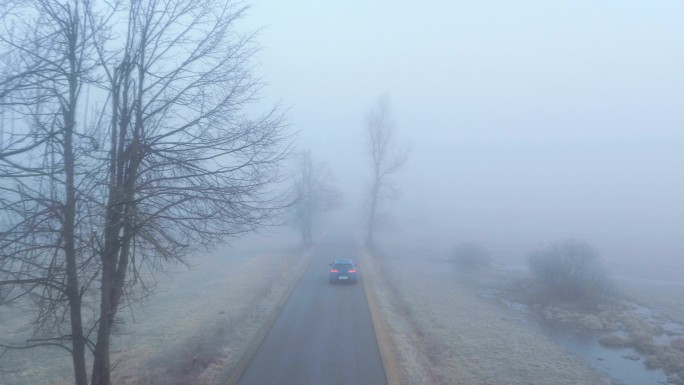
[[343, 261]]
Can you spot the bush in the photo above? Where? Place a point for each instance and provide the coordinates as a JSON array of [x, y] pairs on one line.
[[570, 270], [471, 255]]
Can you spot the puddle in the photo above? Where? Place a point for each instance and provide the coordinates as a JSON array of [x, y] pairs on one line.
[[670, 329], [625, 365]]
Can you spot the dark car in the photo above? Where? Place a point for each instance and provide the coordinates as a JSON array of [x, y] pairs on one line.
[[343, 270]]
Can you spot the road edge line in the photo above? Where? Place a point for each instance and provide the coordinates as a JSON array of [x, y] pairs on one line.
[[251, 351], [387, 349]]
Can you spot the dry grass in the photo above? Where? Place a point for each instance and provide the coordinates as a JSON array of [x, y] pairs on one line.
[[218, 329], [446, 334], [666, 297], [194, 330]]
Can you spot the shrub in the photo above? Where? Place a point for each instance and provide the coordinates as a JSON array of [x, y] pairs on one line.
[[570, 270], [678, 343], [471, 255]]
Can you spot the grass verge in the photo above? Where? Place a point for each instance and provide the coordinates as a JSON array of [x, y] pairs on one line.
[[387, 349]]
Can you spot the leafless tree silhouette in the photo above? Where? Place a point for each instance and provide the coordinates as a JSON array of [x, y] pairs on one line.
[[169, 165], [315, 194], [386, 159]]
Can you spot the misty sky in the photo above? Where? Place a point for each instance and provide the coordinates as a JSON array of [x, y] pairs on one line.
[[528, 121]]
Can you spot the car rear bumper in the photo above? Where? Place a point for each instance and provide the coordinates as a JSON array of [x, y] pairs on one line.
[[343, 278]]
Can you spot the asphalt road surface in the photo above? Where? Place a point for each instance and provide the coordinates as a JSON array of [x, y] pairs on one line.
[[324, 334]]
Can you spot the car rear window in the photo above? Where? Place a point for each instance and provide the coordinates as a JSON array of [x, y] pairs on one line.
[[346, 266]]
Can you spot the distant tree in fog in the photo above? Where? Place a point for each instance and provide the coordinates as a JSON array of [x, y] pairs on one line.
[[170, 163], [570, 270], [386, 159], [315, 194]]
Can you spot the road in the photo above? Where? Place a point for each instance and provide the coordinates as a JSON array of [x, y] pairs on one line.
[[324, 334]]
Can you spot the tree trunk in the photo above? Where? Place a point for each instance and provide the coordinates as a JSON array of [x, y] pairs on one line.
[[101, 364], [72, 290], [69, 226], [101, 361], [373, 208]]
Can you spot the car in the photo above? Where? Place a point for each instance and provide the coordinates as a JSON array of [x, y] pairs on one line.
[[343, 270]]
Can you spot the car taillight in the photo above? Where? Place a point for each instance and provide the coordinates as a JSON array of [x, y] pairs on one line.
[[352, 271], [333, 271]]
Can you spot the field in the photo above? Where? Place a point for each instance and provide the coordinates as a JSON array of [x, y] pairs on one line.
[[446, 334], [194, 330], [447, 330], [199, 324]]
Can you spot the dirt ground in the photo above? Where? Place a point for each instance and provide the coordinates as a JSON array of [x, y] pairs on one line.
[[194, 330], [446, 334]]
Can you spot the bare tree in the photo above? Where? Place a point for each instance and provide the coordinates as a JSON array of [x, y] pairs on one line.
[[385, 158], [45, 255], [315, 193], [170, 165], [571, 270]]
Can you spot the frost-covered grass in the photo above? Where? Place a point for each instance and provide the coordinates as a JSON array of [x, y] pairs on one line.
[[194, 330], [446, 334]]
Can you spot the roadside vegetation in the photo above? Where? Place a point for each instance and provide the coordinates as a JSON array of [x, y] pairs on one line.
[[129, 141], [565, 287], [315, 194], [570, 271], [386, 160], [197, 328], [445, 333], [569, 285]]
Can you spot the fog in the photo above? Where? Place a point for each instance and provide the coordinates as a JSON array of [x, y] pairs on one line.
[[528, 122]]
